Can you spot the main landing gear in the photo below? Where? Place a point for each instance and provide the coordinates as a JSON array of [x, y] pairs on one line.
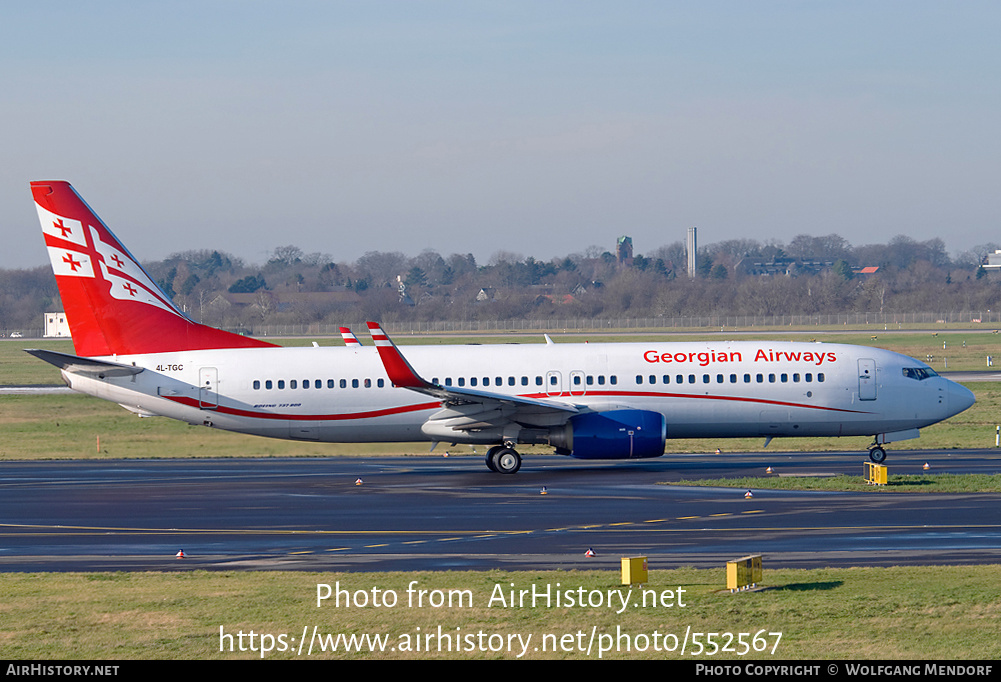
[[503, 459], [877, 454]]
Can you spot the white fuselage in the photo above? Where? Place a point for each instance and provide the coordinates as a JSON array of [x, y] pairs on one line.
[[716, 389]]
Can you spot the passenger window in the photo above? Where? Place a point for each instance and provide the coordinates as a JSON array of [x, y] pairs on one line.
[[257, 385]]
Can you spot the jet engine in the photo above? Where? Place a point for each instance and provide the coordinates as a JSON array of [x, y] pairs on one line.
[[615, 434]]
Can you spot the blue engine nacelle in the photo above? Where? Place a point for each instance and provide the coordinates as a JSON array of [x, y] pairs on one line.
[[616, 434]]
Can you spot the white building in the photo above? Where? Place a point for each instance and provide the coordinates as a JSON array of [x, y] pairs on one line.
[[993, 260], [56, 326]]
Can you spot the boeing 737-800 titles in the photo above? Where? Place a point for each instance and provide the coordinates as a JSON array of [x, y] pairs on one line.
[[594, 401]]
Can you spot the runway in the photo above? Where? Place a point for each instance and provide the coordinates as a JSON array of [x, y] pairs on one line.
[[436, 513]]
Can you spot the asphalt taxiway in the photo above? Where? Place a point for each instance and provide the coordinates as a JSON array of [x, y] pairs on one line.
[[437, 513]]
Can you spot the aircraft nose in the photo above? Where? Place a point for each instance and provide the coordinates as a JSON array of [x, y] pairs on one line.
[[959, 398]]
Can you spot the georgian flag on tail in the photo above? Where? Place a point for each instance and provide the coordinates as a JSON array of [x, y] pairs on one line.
[[64, 237], [112, 305], [128, 281], [62, 228]]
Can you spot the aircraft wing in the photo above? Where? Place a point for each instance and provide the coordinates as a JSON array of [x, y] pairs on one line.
[[469, 408]]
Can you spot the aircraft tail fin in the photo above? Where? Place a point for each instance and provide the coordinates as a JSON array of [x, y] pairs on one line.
[[112, 305]]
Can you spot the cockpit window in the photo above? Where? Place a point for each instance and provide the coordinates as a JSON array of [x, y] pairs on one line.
[[919, 373]]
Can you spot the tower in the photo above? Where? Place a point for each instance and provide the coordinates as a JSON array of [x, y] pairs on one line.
[[691, 245]]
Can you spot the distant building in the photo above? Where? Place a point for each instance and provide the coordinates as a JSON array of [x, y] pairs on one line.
[[691, 248], [624, 251], [56, 326], [992, 261], [788, 267]]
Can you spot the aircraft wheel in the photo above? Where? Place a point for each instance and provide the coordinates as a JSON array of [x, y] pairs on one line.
[[490, 457], [506, 461], [877, 454]]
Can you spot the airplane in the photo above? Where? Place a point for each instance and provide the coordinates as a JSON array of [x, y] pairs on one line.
[[135, 347]]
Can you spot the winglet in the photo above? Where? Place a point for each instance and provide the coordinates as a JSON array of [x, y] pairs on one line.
[[399, 370], [349, 338]]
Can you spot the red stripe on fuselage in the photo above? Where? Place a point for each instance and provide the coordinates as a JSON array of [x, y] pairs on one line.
[[404, 409], [371, 414]]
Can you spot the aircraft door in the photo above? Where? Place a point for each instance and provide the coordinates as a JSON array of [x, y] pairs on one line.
[[866, 379], [208, 388], [578, 385]]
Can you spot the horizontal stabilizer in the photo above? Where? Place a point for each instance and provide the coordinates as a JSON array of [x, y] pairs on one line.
[[84, 366]]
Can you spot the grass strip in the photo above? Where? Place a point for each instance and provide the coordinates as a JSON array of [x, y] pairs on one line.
[[933, 612]]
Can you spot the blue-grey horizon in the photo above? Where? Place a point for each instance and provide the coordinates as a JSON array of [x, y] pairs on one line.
[[533, 128]]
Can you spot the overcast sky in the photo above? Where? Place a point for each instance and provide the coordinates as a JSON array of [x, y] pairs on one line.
[[538, 128]]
